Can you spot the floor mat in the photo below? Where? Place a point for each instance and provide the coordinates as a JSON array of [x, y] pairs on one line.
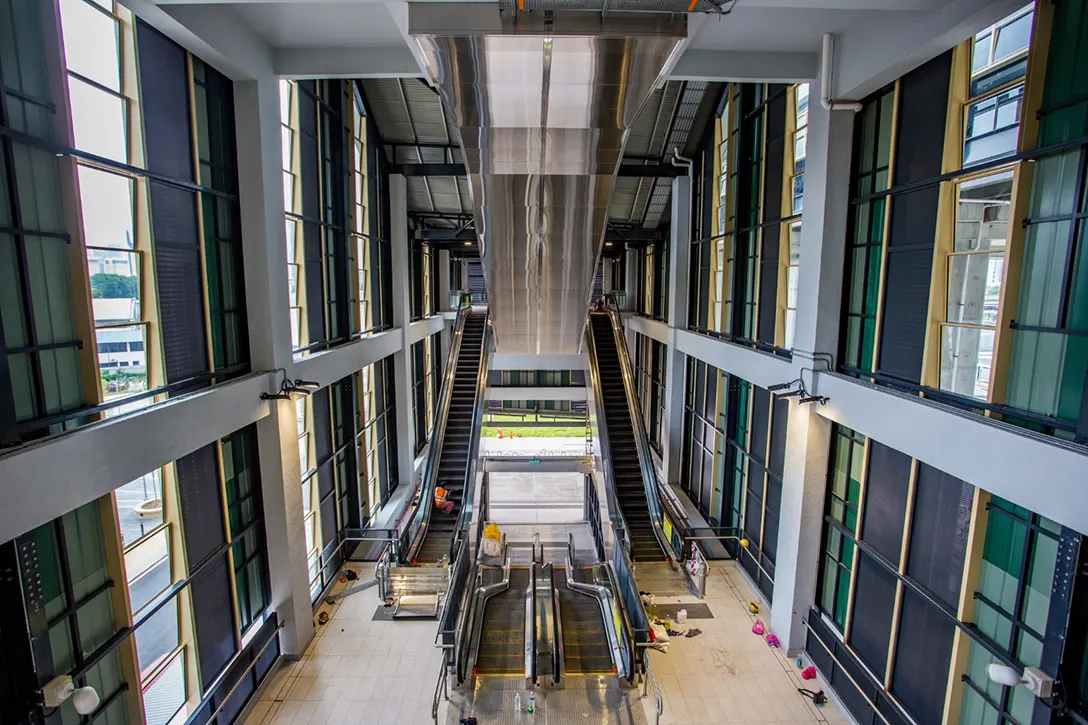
[[695, 611]]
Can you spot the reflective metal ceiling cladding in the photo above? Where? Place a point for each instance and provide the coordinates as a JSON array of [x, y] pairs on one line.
[[544, 103]]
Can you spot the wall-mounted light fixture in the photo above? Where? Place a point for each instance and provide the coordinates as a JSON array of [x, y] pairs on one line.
[[1038, 682], [59, 689], [288, 388]]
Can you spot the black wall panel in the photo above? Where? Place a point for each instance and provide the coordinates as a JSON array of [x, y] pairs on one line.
[[199, 496], [886, 489], [923, 104], [838, 664], [768, 284], [907, 273], [922, 655], [938, 537], [322, 426], [213, 618], [164, 101], [761, 413], [180, 282], [871, 625], [779, 420]]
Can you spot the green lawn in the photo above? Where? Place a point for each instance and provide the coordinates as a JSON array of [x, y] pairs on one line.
[[510, 424], [492, 431]]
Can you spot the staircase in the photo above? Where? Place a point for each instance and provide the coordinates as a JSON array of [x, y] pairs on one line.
[[626, 472], [454, 461]]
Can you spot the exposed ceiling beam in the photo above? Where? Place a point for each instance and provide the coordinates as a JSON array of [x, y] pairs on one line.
[[629, 170], [468, 234]]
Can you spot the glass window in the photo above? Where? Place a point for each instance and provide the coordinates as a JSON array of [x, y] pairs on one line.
[[1012, 608], [975, 274], [843, 497], [139, 507], [993, 127], [165, 695]]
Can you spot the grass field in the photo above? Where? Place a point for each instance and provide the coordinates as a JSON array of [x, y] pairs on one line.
[[510, 424]]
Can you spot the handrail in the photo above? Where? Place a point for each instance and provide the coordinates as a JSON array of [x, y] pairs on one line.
[[649, 676], [530, 629], [454, 599], [422, 518], [441, 688], [473, 623], [607, 601], [559, 668], [642, 441], [241, 676]]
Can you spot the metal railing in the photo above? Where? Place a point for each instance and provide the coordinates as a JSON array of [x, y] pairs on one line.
[[441, 688], [636, 623], [649, 677]]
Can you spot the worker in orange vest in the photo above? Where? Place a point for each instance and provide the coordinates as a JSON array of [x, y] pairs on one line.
[[442, 501]]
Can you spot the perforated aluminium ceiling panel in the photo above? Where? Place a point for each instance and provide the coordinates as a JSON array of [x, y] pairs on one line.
[[544, 106]]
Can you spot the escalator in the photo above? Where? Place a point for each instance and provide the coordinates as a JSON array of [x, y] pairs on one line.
[[585, 645], [459, 440], [623, 455], [502, 640]]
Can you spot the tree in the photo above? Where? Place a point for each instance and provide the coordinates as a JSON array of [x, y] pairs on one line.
[[113, 286]]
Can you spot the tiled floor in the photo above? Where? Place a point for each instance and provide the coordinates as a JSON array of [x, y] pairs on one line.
[[357, 671], [360, 671], [727, 674]]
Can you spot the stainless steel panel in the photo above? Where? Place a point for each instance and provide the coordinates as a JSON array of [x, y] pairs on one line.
[[544, 106]]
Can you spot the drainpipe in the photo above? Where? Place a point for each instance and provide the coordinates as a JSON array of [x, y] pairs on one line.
[[678, 160], [825, 80]]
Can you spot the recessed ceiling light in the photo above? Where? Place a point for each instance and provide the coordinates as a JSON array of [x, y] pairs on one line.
[[608, 244], [468, 244]]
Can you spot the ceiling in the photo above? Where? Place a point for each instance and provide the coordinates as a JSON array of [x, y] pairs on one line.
[[416, 129]]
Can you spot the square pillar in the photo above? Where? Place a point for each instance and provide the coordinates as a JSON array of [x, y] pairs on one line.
[[675, 365], [264, 245], [808, 435], [402, 315], [630, 279]]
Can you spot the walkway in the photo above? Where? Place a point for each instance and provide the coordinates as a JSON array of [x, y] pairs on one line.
[[360, 671]]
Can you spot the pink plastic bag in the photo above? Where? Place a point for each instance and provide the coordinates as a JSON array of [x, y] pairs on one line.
[[809, 673], [772, 641], [757, 628]]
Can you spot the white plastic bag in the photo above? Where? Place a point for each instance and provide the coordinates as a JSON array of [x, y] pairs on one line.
[[682, 616], [491, 547]]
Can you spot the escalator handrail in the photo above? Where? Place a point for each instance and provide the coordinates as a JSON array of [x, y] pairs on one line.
[[530, 628], [472, 629], [615, 513], [608, 603], [642, 440], [417, 528]]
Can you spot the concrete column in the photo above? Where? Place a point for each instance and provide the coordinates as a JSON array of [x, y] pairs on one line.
[[823, 242], [265, 248], [444, 280], [630, 278], [444, 302], [402, 314], [679, 248]]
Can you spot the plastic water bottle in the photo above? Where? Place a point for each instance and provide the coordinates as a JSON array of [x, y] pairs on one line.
[[532, 703], [517, 702]]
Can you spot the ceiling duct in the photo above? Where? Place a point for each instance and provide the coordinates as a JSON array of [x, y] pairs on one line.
[[544, 102]]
